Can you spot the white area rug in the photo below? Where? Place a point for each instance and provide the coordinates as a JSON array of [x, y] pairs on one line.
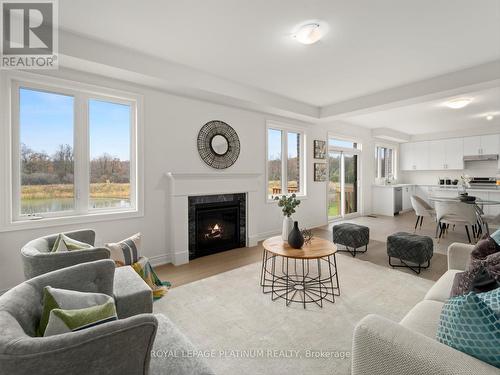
[[228, 316]]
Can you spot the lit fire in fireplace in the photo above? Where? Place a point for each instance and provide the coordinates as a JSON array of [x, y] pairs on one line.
[[214, 232]]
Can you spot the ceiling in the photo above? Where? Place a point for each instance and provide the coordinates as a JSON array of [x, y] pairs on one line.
[[434, 116], [371, 45]]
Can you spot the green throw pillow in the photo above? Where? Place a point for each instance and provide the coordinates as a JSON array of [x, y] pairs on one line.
[[64, 243], [64, 300], [63, 321], [471, 323]]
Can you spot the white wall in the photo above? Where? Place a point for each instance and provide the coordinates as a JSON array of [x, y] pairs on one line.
[[171, 125]]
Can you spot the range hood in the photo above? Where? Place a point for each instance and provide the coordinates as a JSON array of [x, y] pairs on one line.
[[481, 157]]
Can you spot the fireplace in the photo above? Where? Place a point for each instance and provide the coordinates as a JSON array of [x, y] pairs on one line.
[[216, 223]]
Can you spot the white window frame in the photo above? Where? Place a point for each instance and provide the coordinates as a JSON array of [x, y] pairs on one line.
[[82, 93], [285, 129], [378, 168]]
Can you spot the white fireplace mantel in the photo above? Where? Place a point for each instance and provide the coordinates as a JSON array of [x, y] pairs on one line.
[[183, 185]]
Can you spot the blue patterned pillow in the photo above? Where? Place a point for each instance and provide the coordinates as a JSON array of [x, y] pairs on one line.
[[496, 236], [471, 324]]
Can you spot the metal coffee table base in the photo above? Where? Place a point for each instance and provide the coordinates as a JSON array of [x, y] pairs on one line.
[[301, 281]]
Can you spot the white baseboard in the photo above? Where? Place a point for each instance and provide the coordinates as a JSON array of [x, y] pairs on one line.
[[159, 260]]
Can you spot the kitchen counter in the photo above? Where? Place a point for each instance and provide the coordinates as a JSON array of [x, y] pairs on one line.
[[392, 185], [440, 187]]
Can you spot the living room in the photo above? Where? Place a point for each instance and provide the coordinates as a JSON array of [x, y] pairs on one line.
[[241, 161]]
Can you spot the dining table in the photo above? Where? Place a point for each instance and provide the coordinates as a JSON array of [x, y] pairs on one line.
[[479, 205]]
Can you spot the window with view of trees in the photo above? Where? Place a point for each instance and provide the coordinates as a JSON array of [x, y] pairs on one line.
[[73, 153], [109, 161], [284, 174], [46, 126]]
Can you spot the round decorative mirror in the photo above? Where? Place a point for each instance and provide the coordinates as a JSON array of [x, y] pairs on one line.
[[218, 144]]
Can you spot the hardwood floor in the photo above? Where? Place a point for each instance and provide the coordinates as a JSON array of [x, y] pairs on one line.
[[210, 265], [380, 228]]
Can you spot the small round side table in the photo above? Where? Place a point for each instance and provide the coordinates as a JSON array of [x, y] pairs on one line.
[[306, 275]]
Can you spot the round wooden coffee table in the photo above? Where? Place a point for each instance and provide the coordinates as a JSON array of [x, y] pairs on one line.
[[307, 275]]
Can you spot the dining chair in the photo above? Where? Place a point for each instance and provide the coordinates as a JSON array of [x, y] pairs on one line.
[[455, 213], [422, 209]]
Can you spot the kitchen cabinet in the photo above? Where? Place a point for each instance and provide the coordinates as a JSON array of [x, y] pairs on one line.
[[454, 153], [414, 156], [437, 155], [421, 156], [408, 191], [482, 145], [384, 198], [406, 151], [446, 154], [493, 210], [422, 191]]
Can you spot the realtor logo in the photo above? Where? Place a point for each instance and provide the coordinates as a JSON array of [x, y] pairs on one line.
[[29, 34]]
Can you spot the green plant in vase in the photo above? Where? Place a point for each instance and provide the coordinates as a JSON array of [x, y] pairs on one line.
[[288, 203]]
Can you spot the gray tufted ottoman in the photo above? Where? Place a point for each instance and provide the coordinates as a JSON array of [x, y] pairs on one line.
[[410, 248], [352, 236]]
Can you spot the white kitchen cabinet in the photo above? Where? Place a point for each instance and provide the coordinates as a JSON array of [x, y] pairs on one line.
[[490, 144], [446, 154], [408, 191], [414, 156], [422, 191], [454, 153], [383, 200], [472, 145], [482, 145], [437, 155], [406, 155], [421, 156], [493, 210]]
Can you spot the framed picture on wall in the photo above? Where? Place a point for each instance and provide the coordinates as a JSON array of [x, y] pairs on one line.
[[319, 149], [320, 172]]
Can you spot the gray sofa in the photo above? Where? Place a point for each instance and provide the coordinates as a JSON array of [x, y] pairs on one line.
[[120, 347], [38, 260], [381, 346]]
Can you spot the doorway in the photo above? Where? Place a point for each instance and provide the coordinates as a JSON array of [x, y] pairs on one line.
[[343, 181]]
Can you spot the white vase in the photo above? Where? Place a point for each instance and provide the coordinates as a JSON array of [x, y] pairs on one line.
[[287, 227]]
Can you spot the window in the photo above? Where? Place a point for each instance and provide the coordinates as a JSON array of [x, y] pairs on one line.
[[385, 162], [109, 161], [46, 126], [343, 144], [73, 152], [285, 161]]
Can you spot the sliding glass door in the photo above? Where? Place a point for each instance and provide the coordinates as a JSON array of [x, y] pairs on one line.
[[334, 191], [350, 183], [343, 166]]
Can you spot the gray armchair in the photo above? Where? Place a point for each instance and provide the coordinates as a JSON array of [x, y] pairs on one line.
[[38, 260], [121, 347]]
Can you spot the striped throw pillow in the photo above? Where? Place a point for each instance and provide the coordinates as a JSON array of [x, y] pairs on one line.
[[126, 252]]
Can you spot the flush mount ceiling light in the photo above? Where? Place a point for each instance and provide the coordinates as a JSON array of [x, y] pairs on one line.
[[458, 103], [309, 33], [489, 117]]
